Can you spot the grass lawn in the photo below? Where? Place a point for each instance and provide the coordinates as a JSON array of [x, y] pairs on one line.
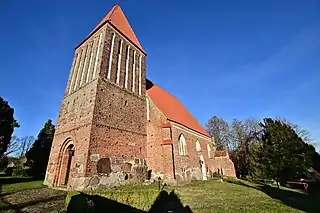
[[23, 194], [200, 196], [210, 196], [214, 196]]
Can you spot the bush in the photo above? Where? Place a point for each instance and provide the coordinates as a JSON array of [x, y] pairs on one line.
[[8, 171], [18, 172], [3, 163], [140, 199]]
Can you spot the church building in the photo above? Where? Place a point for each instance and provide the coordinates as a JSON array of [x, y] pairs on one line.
[[115, 126]]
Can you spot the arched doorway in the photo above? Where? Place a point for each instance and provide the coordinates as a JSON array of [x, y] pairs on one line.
[[65, 163], [68, 155], [203, 168]]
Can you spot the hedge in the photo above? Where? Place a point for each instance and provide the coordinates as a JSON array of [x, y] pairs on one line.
[[20, 172], [138, 198]]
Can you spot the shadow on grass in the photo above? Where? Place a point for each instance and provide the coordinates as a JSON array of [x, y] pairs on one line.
[[94, 203], [302, 201], [11, 180], [17, 207]]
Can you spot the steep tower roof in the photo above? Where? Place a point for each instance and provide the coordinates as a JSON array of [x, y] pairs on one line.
[[118, 20], [173, 109]]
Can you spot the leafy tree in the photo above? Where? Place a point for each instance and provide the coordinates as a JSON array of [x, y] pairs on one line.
[[7, 125], [219, 130], [38, 155], [246, 135], [283, 152], [302, 133]]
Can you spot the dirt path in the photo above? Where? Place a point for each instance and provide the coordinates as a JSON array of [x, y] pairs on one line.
[[35, 200]]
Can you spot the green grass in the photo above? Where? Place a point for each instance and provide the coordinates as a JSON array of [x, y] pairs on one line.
[[201, 196], [15, 187], [15, 184], [227, 196], [213, 196]]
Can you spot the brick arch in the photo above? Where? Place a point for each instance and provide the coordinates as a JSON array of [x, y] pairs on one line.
[[68, 142]]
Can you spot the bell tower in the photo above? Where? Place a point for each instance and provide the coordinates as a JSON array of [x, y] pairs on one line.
[[102, 117]]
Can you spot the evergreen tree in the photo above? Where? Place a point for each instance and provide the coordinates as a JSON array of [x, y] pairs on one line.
[[7, 125], [38, 155], [283, 152]]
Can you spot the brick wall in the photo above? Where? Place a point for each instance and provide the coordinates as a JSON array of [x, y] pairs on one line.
[[188, 167], [155, 152], [225, 164]]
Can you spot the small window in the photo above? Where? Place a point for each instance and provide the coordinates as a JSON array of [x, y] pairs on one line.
[[198, 147], [209, 151], [182, 145]]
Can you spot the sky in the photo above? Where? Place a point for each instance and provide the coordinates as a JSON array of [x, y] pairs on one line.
[[232, 59]]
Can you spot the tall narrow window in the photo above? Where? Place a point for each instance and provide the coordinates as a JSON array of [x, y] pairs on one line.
[[90, 61], [78, 71], [84, 65], [133, 70], [209, 151], [182, 145], [73, 72], [97, 57], [110, 56], [119, 62], [140, 75], [127, 68], [148, 109]]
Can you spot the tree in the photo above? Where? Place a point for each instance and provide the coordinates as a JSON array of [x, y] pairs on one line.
[[302, 133], [245, 136], [7, 125], [283, 152], [219, 130], [19, 146], [38, 155], [25, 144], [13, 146]]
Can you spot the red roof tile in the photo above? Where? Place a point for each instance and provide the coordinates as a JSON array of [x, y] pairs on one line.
[[117, 18], [173, 109]]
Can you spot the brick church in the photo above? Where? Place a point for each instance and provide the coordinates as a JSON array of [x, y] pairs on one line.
[[115, 126]]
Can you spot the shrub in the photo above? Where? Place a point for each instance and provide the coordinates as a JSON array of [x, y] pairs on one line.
[[8, 171], [18, 172], [3, 163], [140, 199]]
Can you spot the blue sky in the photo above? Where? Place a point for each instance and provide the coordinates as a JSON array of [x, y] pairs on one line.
[[233, 59]]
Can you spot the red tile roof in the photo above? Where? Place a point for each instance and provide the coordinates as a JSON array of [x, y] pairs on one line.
[[117, 18], [173, 109]]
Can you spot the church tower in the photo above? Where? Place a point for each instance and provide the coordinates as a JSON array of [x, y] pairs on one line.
[[101, 129]]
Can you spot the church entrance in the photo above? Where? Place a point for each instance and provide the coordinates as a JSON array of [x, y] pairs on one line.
[[65, 167], [203, 168]]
